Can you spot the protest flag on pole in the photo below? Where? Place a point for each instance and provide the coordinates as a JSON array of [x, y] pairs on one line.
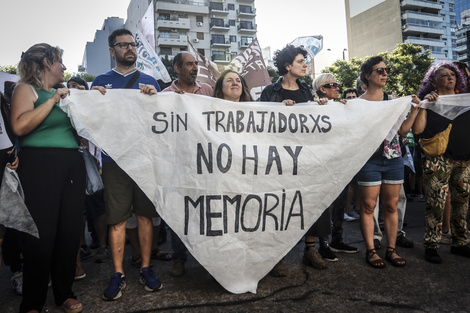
[[250, 65], [313, 44], [147, 25], [208, 72], [148, 61]]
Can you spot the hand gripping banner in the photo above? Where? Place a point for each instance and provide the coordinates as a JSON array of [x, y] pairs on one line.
[[240, 183]]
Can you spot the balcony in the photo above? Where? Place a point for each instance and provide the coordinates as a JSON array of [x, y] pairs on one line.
[[168, 39], [221, 58], [173, 23], [247, 13], [247, 29], [243, 44], [186, 6], [421, 41], [413, 30], [422, 6], [218, 10], [423, 16], [224, 27], [220, 44]]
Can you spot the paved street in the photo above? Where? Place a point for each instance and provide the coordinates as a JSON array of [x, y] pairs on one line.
[[348, 285]]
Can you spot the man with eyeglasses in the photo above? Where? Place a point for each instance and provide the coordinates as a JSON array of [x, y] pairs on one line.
[[122, 196]]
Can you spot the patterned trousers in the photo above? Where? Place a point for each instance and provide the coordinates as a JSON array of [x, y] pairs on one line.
[[442, 174]]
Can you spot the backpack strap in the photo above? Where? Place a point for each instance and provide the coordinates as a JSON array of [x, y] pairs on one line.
[[132, 80]]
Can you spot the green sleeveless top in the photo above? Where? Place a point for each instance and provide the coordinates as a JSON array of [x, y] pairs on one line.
[[55, 131]]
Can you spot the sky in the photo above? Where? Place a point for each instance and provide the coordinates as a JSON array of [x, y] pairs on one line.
[[71, 24]]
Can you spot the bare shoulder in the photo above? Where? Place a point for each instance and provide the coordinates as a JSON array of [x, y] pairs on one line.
[[24, 94]]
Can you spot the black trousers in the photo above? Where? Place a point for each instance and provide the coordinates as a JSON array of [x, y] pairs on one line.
[[334, 214], [53, 181]]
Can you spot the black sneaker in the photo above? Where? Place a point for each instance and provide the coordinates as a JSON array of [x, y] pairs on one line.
[[404, 242], [462, 250], [327, 254], [431, 256], [342, 247], [377, 244]]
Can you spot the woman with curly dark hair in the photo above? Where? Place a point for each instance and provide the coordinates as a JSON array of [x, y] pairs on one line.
[[450, 171], [291, 65]]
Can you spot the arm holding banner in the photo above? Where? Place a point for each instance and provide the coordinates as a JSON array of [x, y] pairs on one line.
[[408, 123]]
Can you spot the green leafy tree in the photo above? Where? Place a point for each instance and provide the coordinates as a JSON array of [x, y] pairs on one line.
[[169, 67], [10, 69], [273, 74], [86, 76], [67, 76], [346, 73], [408, 62]]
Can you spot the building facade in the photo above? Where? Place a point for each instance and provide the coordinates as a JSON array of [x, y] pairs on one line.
[[376, 26], [218, 29], [462, 10], [96, 58]]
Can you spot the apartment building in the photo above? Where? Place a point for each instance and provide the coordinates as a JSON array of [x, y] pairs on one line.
[[218, 29], [376, 26]]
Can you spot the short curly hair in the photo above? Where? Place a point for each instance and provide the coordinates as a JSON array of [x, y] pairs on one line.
[[430, 78], [286, 56]]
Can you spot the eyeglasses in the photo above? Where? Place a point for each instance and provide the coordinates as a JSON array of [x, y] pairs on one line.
[[125, 45], [382, 70], [331, 85]]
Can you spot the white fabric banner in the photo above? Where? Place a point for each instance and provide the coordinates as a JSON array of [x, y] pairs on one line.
[[240, 183], [147, 25], [148, 61]]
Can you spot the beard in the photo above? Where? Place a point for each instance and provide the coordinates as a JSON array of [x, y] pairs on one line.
[[125, 61]]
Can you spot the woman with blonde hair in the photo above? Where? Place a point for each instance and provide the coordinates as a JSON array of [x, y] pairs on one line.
[[52, 173]]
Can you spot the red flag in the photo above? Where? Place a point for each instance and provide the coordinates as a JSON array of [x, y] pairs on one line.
[[250, 65]]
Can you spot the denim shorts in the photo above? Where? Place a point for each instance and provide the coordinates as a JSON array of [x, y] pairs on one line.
[[380, 170]]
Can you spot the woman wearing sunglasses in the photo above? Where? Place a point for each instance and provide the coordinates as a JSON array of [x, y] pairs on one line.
[[383, 173], [326, 87]]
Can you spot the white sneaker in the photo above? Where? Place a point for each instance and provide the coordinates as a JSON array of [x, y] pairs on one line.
[[354, 214], [446, 238], [348, 218], [17, 282]]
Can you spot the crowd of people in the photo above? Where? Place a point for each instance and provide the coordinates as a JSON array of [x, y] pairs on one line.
[[52, 172]]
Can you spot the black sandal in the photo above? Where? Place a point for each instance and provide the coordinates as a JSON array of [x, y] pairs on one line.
[[398, 261], [378, 263]]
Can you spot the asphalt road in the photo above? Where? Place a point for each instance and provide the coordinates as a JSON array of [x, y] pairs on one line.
[[348, 285]]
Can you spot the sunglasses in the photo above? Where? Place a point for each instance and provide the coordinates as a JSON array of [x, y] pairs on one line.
[[125, 45], [382, 70], [331, 85]]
